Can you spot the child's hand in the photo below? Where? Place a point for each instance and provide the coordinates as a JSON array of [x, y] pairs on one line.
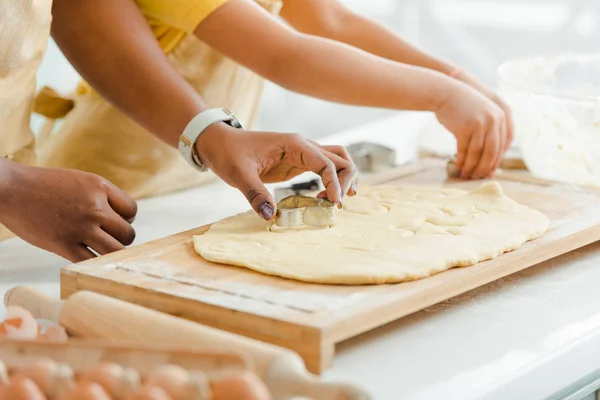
[[66, 211], [246, 159], [464, 77], [480, 127]]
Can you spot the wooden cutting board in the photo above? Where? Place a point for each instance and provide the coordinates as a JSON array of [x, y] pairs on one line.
[[310, 319]]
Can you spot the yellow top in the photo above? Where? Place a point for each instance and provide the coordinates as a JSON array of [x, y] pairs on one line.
[[170, 21]]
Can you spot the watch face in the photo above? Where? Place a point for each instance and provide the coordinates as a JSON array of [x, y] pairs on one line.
[[236, 124], [233, 121]]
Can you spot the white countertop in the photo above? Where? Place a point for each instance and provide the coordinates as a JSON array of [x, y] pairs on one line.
[[526, 336]]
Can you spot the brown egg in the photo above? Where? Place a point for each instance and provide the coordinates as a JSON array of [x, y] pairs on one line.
[[21, 388], [56, 334], [178, 383], [201, 384], [87, 391], [150, 393], [19, 324], [244, 385], [117, 381], [54, 379]]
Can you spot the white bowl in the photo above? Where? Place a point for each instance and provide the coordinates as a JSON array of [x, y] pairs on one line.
[[556, 109]]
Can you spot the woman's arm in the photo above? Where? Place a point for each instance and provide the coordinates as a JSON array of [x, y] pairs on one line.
[[341, 73], [111, 46]]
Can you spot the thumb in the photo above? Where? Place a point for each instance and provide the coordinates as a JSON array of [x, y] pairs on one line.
[[257, 194]]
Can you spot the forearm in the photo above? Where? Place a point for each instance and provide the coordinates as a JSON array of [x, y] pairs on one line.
[[333, 20], [112, 47], [365, 34], [319, 67], [338, 73]]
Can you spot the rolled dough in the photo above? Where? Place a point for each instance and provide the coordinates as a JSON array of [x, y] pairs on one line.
[[386, 234]]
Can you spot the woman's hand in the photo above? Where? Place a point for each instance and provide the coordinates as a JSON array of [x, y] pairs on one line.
[[66, 211], [481, 129], [246, 160]]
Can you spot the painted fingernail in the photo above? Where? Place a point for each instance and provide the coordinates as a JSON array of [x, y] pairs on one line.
[[266, 210], [355, 188]]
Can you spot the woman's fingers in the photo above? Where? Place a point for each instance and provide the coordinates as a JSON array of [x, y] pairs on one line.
[[78, 253], [115, 226], [119, 201], [247, 180], [104, 243], [315, 161], [346, 171], [342, 158], [344, 164]]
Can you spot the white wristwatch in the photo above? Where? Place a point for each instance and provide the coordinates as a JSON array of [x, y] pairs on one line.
[[196, 127]]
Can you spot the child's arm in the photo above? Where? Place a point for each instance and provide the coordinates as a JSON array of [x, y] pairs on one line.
[[337, 72], [331, 19]]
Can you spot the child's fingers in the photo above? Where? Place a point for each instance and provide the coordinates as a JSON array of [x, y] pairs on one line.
[[473, 154], [461, 151], [489, 154]]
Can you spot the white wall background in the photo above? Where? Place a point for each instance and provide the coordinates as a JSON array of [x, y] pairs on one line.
[[478, 34]]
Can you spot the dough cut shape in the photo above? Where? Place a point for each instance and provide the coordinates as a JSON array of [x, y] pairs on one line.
[[386, 234]]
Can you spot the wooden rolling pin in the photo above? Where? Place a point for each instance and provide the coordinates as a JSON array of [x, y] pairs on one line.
[[91, 315]]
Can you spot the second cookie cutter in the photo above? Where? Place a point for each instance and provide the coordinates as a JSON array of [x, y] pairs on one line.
[[298, 210], [371, 157]]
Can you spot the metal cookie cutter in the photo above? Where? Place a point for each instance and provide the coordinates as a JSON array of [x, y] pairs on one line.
[[298, 210], [371, 157]]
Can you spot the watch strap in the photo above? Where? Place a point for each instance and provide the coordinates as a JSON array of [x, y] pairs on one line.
[[196, 127]]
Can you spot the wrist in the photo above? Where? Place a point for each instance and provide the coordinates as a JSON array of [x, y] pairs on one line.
[[445, 88], [213, 137]]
